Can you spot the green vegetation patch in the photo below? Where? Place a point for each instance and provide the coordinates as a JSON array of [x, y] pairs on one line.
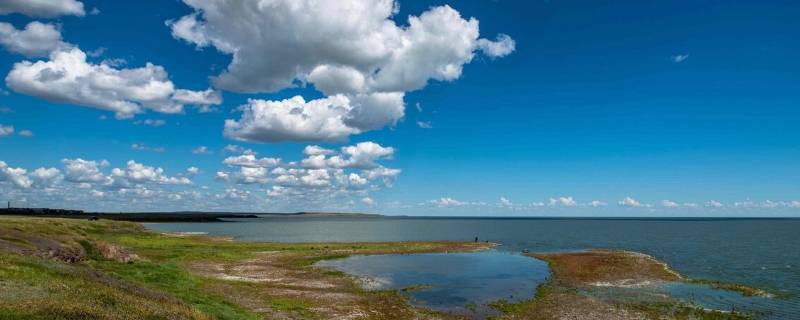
[[288, 304]]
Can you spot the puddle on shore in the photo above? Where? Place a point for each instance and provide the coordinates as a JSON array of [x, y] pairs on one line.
[[699, 295], [724, 300], [460, 283]]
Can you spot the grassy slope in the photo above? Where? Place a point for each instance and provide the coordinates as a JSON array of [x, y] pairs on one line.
[[34, 284], [98, 288]]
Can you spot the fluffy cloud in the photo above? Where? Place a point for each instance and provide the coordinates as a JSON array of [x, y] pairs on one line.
[[135, 176], [202, 150], [317, 150], [6, 130], [26, 133], [425, 124], [249, 175], [250, 160], [351, 50], [714, 204], [368, 201], [563, 201], [143, 147], [222, 176], [679, 58], [42, 8], [597, 204], [231, 148], [500, 48], [46, 176], [93, 185], [352, 172], [152, 122], [17, 176], [292, 120], [333, 118], [631, 202], [362, 155], [766, 204], [204, 100], [140, 173], [79, 170], [36, 40], [669, 204], [67, 77], [447, 202]]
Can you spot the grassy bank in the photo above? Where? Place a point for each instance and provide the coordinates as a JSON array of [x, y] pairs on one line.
[[74, 269]]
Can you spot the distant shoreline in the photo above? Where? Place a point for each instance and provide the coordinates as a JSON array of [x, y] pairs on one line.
[[196, 216], [178, 216]]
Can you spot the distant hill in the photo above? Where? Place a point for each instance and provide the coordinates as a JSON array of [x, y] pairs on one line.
[[176, 216]]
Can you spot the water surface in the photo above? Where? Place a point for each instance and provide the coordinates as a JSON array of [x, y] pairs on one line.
[[461, 283]]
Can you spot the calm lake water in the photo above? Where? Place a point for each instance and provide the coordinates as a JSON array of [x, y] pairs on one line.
[[461, 283], [764, 253]]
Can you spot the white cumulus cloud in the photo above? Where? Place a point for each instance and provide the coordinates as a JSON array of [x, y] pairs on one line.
[[563, 201], [35, 40], [669, 204], [350, 50], [631, 202], [447, 202], [42, 8], [250, 160], [6, 130], [17, 176], [67, 77]]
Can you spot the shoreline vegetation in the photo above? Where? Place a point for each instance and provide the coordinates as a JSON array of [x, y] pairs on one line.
[[52, 268]]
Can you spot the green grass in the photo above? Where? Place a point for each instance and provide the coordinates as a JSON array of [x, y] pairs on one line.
[[158, 288], [34, 288], [506, 307], [288, 304]]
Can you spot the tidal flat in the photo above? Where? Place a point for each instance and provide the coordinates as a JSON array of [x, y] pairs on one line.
[[73, 269]]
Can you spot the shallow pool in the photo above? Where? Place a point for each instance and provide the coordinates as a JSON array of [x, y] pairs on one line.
[[462, 283]]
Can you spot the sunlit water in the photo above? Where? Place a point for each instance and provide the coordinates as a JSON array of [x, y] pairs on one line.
[[759, 252]]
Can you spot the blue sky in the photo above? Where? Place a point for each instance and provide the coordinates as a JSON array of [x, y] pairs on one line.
[[559, 108]]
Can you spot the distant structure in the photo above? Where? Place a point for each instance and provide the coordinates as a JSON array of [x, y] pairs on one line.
[[37, 211]]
